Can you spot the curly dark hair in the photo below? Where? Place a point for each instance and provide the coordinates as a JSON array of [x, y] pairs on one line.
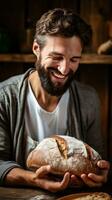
[[64, 23]]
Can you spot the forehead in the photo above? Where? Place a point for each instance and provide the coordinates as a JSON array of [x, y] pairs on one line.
[[63, 45]]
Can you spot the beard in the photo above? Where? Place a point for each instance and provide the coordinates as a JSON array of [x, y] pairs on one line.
[[48, 85]]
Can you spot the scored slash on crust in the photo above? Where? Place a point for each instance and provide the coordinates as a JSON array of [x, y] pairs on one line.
[[62, 145]]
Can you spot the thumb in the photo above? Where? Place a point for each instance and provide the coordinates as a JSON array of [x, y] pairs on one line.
[[42, 171]]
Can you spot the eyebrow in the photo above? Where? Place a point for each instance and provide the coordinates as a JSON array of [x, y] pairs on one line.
[[59, 54]]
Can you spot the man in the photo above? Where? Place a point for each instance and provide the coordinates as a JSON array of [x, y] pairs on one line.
[[47, 100]]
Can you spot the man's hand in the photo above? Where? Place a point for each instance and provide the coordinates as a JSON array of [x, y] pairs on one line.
[[43, 180], [93, 180]]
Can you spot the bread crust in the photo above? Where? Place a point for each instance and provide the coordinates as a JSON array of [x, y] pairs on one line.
[[87, 196], [64, 153]]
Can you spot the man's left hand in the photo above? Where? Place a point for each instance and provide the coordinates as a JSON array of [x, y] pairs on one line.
[[93, 180]]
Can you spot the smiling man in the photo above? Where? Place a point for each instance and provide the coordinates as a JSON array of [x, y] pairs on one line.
[[58, 61], [47, 100]]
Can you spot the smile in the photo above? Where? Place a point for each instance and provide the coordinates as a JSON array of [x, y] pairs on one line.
[[59, 76], [56, 74]]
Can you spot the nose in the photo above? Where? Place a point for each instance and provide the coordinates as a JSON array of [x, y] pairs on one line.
[[64, 67]]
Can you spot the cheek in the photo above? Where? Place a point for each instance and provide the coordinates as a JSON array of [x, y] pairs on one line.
[[75, 67], [48, 63]]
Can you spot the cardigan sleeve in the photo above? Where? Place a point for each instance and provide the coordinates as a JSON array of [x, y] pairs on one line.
[[6, 145], [12, 100], [91, 118]]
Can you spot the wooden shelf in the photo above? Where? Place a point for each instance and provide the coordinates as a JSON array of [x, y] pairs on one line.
[[96, 59], [22, 58], [30, 58]]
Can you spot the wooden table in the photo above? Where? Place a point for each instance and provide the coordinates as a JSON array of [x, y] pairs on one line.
[[38, 194]]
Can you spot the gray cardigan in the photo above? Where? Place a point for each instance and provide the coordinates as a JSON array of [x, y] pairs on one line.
[[83, 120]]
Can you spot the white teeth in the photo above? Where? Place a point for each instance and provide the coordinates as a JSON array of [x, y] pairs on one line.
[[59, 75]]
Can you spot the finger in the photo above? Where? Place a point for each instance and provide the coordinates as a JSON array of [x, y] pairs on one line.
[[89, 182], [96, 178], [65, 180], [42, 171], [103, 164], [53, 186], [76, 181], [57, 186], [102, 178], [74, 177]]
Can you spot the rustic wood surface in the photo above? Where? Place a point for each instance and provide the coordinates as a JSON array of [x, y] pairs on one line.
[[38, 194]]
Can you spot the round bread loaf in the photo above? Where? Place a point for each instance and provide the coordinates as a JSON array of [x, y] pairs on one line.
[[64, 153], [87, 196]]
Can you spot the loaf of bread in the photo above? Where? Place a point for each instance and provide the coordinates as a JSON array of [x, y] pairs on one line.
[[87, 196], [64, 153]]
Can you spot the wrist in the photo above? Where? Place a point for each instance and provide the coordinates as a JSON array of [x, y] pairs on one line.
[[18, 176]]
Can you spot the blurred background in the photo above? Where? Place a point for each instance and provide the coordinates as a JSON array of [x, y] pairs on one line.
[[17, 26]]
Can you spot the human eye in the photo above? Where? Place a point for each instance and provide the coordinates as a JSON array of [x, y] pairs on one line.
[[57, 58], [75, 59]]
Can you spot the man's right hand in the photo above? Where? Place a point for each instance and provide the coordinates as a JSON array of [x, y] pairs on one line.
[[43, 181], [40, 178]]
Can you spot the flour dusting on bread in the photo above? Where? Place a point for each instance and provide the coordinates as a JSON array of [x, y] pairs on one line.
[[64, 153]]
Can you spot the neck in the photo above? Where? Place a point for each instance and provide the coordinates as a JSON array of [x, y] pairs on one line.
[[44, 99]]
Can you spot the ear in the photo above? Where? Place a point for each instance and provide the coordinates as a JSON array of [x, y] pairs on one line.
[[36, 48]]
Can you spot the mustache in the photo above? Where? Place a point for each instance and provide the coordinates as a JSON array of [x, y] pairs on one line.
[[52, 69]]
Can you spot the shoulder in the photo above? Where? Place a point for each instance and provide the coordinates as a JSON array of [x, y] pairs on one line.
[[13, 88], [13, 84]]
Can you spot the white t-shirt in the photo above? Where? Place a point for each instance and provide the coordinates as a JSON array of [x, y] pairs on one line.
[[39, 123]]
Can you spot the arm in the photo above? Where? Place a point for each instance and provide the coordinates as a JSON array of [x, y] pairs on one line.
[[95, 139], [7, 161], [90, 118], [94, 135], [39, 178], [11, 169]]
